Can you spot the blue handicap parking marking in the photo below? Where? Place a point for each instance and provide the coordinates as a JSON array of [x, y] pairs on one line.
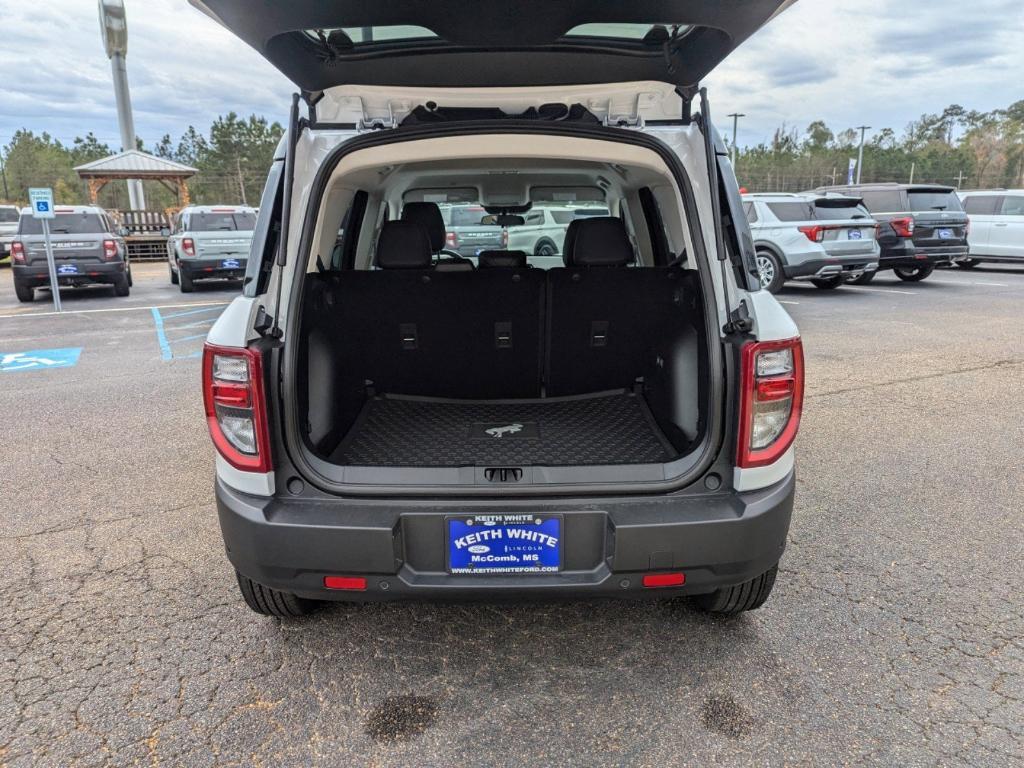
[[39, 359], [177, 332]]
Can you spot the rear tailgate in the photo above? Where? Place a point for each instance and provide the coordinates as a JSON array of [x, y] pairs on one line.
[[67, 249], [940, 231]]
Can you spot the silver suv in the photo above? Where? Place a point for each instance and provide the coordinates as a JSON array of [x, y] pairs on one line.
[[9, 215], [828, 239], [209, 242]]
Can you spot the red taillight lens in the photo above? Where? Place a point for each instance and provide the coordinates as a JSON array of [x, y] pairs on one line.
[[814, 233], [109, 250], [236, 410], [451, 239], [903, 227], [18, 252], [771, 399], [188, 245]]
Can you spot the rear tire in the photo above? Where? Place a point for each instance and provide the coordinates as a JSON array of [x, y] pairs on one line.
[[185, 281], [174, 274], [864, 279], [25, 293], [828, 283], [748, 596], [914, 274], [545, 249], [122, 286], [272, 602], [769, 269], [968, 264], [131, 280]]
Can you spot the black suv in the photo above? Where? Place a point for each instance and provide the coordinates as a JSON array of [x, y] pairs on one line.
[[919, 226], [87, 249]]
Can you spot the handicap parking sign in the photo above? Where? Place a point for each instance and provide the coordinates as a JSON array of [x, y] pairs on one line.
[[39, 359], [41, 201]]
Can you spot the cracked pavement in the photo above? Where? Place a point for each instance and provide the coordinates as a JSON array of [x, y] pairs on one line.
[[893, 637]]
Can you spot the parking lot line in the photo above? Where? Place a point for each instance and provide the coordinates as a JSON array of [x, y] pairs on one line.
[[783, 301], [969, 282], [115, 309], [878, 290]]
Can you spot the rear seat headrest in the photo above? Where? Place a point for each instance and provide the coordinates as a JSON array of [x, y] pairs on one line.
[[428, 216], [502, 259], [403, 245], [598, 241]]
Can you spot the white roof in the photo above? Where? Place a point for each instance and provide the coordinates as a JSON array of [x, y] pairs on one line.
[[136, 162]]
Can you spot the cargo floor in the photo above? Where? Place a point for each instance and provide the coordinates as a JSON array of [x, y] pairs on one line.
[[604, 428]]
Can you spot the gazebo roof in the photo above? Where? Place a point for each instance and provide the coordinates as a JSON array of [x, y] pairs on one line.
[[134, 165]]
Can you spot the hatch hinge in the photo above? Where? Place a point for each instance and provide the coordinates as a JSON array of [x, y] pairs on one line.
[[739, 320], [376, 122]]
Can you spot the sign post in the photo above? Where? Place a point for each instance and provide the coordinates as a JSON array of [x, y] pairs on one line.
[[41, 200]]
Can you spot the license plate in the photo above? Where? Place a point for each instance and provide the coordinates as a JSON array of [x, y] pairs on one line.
[[944, 234], [230, 264], [853, 234], [504, 544], [67, 269]]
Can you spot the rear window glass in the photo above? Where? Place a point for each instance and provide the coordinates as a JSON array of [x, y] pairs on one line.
[[64, 224], [8, 215], [934, 201], [361, 35], [751, 211], [1013, 206], [222, 222], [795, 211], [833, 212], [621, 31], [568, 217], [464, 215], [883, 201], [981, 204]]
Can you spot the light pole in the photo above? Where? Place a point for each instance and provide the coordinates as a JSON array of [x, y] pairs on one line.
[[735, 126], [114, 26], [860, 152]]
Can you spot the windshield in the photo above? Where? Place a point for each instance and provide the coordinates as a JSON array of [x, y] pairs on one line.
[[934, 201], [64, 224], [8, 215], [222, 222]]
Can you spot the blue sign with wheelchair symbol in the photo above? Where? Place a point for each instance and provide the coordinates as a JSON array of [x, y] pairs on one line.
[[39, 359]]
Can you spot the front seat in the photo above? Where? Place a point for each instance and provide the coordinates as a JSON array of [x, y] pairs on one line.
[[428, 216]]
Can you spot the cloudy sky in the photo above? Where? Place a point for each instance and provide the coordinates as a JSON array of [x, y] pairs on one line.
[[878, 62]]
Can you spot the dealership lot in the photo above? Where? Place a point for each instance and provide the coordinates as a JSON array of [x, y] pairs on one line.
[[893, 636]]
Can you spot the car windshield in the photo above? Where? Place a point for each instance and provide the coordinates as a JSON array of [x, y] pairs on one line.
[[934, 201], [8, 215], [64, 224], [222, 222]]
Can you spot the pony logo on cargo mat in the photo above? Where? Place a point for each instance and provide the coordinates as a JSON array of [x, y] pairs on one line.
[[504, 430]]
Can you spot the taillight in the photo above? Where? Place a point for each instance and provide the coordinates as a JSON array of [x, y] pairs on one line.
[[109, 250], [451, 239], [18, 252], [903, 227], [967, 228], [236, 410], [188, 245], [771, 398], [814, 233]]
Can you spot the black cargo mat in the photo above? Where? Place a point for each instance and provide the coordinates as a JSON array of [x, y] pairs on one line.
[[598, 429]]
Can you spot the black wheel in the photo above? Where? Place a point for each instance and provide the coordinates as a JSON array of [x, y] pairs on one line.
[[968, 264], [828, 283], [545, 249], [122, 286], [131, 280], [914, 274], [748, 596], [864, 279], [272, 602], [25, 293], [174, 274], [185, 281], [769, 269]]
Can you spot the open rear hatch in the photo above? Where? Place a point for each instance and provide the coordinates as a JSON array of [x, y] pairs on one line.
[[319, 44]]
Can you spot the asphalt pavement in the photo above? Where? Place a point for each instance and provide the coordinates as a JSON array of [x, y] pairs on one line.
[[893, 637]]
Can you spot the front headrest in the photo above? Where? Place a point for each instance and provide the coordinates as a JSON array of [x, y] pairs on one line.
[[598, 241], [502, 259], [403, 245], [428, 216]]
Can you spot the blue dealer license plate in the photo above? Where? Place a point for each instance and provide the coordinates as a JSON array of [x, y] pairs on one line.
[[230, 264], [944, 234], [504, 544]]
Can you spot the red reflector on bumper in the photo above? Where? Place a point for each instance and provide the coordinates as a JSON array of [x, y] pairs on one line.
[[664, 579], [352, 583]]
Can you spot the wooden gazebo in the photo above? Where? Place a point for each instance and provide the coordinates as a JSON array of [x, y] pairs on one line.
[[137, 165]]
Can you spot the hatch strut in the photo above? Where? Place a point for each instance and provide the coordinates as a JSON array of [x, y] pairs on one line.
[[286, 208], [739, 319]]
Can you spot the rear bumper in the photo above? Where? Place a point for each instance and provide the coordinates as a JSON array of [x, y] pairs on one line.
[[715, 539], [850, 267], [908, 255], [200, 269], [88, 273]]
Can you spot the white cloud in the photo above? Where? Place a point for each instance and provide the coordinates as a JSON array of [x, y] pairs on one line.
[[879, 62]]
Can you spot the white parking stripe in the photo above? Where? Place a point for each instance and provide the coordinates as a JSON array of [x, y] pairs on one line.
[[877, 290], [116, 309], [783, 301], [968, 282]]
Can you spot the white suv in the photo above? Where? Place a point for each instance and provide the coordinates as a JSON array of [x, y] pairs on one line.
[[828, 239], [997, 225], [391, 423]]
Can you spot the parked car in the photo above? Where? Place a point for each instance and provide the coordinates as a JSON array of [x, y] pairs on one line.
[[620, 425], [828, 239], [542, 233], [9, 215], [209, 242], [469, 230], [921, 226], [87, 248], [997, 225]]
